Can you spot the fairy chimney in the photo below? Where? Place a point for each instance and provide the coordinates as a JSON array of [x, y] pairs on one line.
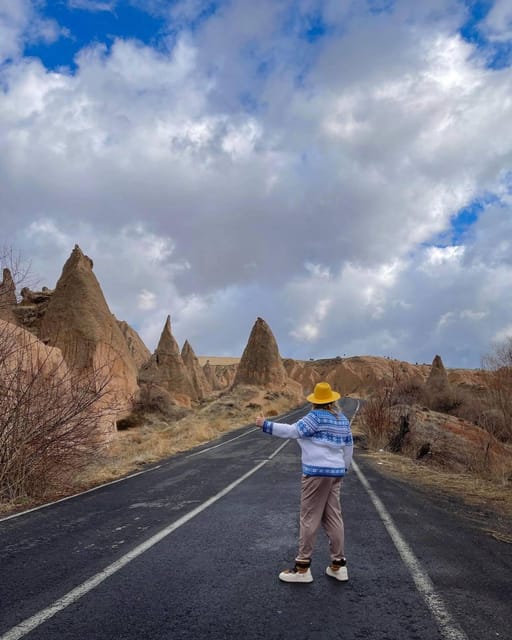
[[209, 374], [196, 373], [79, 322], [438, 378], [7, 296], [261, 364], [167, 369]]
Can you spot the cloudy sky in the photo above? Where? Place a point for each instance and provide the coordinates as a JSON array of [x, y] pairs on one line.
[[341, 168]]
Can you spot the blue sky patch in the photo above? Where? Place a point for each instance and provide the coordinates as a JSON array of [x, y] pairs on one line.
[[468, 216], [86, 27], [497, 55]]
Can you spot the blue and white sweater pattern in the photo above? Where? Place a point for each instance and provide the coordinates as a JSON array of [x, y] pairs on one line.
[[325, 440]]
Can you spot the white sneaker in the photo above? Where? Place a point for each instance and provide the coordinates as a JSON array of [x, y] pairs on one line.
[[297, 574], [338, 570]]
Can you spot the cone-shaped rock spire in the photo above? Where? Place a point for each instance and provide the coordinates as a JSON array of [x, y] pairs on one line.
[[166, 367], [7, 296], [79, 322], [438, 378], [261, 363], [197, 376]]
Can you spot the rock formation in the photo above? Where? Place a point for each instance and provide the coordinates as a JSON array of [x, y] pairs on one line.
[[209, 374], [201, 385], [79, 322], [167, 369], [7, 296], [261, 364], [30, 311], [448, 442], [437, 380], [140, 353], [219, 376], [357, 375], [22, 351]]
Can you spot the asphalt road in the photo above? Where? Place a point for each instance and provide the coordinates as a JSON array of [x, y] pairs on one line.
[[191, 549]]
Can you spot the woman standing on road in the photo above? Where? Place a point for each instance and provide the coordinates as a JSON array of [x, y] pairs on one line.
[[326, 441]]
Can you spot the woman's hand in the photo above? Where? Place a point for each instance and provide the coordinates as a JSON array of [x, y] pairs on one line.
[[259, 421]]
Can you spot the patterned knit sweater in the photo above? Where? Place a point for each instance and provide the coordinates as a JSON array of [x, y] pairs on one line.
[[325, 440]]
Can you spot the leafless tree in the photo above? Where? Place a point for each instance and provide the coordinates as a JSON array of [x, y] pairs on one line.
[[52, 419], [498, 363]]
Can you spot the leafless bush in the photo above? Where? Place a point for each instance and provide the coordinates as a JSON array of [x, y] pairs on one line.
[[408, 391], [375, 419], [51, 418], [376, 415], [448, 400], [499, 365]]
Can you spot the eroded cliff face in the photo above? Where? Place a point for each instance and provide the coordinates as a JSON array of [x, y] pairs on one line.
[[138, 350]]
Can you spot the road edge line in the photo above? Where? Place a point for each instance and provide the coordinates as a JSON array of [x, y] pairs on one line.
[[446, 623]]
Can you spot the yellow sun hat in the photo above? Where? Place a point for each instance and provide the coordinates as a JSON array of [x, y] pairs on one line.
[[323, 394]]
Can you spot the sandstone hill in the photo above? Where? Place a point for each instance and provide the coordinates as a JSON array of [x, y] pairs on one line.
[[358, 376]]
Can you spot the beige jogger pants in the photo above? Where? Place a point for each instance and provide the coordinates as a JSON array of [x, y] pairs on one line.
[[320, 505]]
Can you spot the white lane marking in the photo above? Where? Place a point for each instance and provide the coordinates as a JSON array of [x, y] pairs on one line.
[[28, 625], [355, 412], [75, 495], [449, 628], [133, 475], [221, 444]]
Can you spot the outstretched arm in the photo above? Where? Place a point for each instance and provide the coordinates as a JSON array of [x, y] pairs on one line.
[[278, 429]]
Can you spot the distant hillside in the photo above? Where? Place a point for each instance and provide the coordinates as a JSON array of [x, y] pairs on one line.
[[217, 360]]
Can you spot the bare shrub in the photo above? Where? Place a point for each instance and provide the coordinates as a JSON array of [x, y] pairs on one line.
[[375, 419], [499, 365], [51, 419], [408, 391], [447, 400]]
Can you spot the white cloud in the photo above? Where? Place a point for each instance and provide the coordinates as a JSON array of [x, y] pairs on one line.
[[245, 171], [505, 333], [92, 5], [497, 25]]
